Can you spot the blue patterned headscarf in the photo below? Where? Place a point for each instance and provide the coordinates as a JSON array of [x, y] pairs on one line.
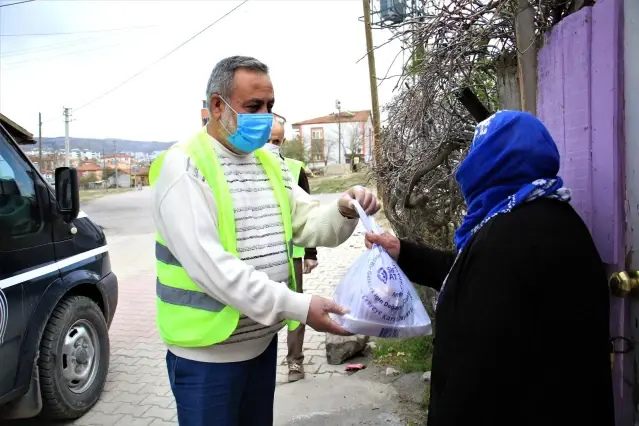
[[512, 160]]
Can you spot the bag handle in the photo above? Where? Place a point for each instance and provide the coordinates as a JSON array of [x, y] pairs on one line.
[[369, 223]]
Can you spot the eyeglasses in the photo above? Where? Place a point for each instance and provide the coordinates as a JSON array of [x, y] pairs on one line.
[[279, 119]]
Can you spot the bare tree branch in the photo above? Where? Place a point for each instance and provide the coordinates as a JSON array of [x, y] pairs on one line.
[[452, 44]]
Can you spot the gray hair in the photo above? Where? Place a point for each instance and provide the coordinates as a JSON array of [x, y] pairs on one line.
[[221, 79]]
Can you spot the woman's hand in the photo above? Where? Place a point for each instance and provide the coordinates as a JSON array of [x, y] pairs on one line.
[[309, 265], [387, 241]]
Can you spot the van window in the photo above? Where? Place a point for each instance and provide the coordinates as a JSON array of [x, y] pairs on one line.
[[19, 211]]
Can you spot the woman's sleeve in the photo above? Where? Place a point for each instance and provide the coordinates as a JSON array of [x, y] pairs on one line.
[[424, 265]]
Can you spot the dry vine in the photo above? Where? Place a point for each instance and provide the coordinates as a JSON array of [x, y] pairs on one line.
[[453, 43]]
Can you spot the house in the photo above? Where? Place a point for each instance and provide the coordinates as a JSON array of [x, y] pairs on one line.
[[123, 179], [204, 114], [49, 161], [89, 168], [119, 161], [139, 176], [322, 136]]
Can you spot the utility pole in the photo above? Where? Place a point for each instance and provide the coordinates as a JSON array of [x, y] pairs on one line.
[[116, 165], [67, 118], [338, 105], [105, 179], [373, 83], [526, 56], [40, 141]]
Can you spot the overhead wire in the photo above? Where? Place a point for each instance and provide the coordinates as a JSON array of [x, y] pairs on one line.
[[9, 65], [46, 47], [143, 70], [79, 32], [16, 3], [82, 45]]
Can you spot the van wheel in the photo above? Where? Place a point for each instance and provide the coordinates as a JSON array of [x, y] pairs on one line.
[[74, 358]]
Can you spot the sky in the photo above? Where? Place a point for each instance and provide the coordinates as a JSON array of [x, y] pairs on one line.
[[311, 47]]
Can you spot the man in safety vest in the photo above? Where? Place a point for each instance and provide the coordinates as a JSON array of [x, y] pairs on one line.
[[227, 214], [304, 259]]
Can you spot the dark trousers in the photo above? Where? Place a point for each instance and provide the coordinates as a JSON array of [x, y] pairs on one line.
[[295, 339], [224, 394]]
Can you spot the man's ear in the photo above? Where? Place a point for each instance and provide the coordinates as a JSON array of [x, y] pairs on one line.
[[216, 107]]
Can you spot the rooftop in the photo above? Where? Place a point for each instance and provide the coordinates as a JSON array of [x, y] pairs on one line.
[[344, 117], [89, 167], [117, 156]]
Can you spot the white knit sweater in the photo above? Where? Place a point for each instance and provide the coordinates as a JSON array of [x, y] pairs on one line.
[[185, 213]]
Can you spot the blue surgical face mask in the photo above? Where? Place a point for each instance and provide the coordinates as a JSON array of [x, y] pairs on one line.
[[252, 132]]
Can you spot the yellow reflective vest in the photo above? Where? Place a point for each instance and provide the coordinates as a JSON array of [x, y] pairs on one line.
[[296, 166], [186, 315]]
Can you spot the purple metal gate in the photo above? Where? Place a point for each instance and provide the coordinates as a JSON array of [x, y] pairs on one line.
[[580, 99]]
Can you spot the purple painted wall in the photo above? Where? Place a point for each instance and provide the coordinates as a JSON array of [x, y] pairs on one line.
[[580, 99]]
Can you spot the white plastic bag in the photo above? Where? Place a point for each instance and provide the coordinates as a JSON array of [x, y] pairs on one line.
[[382, 301]]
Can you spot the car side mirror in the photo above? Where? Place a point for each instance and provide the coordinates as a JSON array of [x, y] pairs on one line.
[[67, 193]]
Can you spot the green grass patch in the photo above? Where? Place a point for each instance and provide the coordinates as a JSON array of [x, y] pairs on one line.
[[335, 184], [407, 355]]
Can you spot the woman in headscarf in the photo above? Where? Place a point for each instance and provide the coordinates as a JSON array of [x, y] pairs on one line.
[[523, 310]]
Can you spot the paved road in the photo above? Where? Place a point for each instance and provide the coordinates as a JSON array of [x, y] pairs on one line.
[[122, 214], [137, 390]]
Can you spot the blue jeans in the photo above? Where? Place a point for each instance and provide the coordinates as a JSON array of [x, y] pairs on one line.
[[224, 394]]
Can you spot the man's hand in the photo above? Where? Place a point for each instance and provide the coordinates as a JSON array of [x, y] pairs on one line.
[[309, 265], [387, 241], [364, 197], [318, 317]]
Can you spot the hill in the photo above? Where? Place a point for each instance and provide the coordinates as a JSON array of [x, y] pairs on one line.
[[106, 145]]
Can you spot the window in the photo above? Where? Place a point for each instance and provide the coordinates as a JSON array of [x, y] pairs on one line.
[[19, 212], [317, 133], [317, 144], [317, 150]]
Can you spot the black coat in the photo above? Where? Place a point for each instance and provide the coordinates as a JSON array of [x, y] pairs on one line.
[[522, 328]]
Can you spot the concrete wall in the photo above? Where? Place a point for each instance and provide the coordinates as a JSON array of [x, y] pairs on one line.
[[124, 180]]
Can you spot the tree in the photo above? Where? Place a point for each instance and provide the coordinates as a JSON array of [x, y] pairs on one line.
[[327, 149], [320, 150], [296, 149], [352, 139], [453, 44], [88, 178], [84, 180]]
